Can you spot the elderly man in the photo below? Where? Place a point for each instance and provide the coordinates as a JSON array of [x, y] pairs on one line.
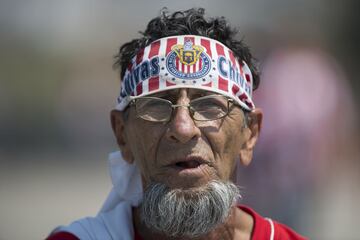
[[184, 118]]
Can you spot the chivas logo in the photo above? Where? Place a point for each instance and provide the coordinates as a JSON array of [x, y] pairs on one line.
[[187, 53], [188, 61]]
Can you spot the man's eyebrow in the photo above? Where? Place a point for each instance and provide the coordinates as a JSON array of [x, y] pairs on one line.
[[200, 93], [168, 93]]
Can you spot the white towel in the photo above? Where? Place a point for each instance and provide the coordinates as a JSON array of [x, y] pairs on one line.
[[114, 220], [126, 182]]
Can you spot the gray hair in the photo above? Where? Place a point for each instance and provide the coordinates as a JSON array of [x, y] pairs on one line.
[[187, 212]]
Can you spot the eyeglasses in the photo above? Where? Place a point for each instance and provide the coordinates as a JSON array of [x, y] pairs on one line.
[[205, 108]]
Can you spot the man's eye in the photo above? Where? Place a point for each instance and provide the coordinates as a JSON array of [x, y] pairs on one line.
[[210, 103], [151, 104]]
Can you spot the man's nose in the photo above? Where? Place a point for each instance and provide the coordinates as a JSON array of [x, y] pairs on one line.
[[182, 127]]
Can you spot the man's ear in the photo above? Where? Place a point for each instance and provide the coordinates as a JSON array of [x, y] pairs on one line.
[[251, 134], [118, 127]]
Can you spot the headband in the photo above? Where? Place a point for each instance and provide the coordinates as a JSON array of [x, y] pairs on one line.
[[187, 61]]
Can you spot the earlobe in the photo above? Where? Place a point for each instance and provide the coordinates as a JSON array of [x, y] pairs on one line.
[[118, 127], [251, 134]]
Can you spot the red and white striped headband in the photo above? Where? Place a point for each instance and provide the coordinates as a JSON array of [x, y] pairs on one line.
[[187, 61]]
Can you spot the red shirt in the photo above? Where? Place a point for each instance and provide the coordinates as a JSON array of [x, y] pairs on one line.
[[264, 229]]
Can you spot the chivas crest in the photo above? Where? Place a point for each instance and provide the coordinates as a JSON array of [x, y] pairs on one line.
[[188, 53], [188, 61]]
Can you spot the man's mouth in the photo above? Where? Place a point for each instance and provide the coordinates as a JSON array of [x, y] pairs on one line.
[[188, 164], [189, 171]]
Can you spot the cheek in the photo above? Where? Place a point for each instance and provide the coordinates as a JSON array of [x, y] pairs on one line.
[[226, 146], [143, 142]]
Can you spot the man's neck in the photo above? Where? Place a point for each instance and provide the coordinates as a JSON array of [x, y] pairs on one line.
[[239, 226]]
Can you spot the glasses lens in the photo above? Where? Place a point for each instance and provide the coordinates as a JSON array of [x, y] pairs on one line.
[[209, 107], [153, 109]]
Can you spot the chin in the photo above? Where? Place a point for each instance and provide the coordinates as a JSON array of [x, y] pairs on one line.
[[187, 211]]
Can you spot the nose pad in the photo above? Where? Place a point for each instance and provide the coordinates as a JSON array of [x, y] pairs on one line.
[[182, 126]]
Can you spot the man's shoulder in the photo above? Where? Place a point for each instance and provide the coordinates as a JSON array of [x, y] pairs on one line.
[[266, 228], [284, 232], [113, 224]]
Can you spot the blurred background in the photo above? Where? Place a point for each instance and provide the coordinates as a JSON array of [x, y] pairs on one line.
[[57, 87]]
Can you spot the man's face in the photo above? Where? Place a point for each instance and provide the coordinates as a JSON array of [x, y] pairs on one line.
[[184, 153]]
